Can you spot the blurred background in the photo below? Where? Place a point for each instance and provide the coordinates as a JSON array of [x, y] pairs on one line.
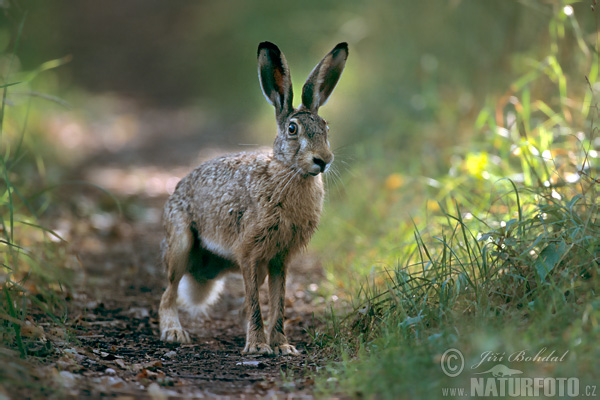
[[417, 75], [129, 96]]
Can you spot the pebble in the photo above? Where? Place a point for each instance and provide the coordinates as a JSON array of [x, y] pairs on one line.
[[68, 379], [251, 363], [171, 354]]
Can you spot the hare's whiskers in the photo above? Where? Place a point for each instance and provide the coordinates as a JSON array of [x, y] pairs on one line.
[[295, 174], [333, 178], [282, 180]]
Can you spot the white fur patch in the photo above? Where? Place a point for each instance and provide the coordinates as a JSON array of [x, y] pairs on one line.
[[303, 142], [217, 248], [196, 297]]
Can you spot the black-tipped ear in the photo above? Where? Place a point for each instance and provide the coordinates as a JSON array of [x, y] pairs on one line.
[[324, 77], [274, 76]]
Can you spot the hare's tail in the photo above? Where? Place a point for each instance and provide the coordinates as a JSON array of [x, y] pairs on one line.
[[196, 297]]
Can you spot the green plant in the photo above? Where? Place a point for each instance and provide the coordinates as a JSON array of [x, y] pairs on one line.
[[35, 266], [509, 255]]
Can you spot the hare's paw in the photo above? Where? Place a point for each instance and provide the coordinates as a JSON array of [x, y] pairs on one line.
[[257, 348], [175, 334], [285, 350], [170, 327]]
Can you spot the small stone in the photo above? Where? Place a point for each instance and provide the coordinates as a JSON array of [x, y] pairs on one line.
[[257, 364], [171, 354], [69, 380], [156, 393]]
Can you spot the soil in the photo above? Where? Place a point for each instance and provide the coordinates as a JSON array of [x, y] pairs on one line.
[[120, 352], [116, 350], [118, 330]]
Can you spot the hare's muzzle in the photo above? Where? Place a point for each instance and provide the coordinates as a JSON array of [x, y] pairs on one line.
[[320, 164]]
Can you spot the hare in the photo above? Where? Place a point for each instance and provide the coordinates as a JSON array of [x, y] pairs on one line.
[[252, 212]]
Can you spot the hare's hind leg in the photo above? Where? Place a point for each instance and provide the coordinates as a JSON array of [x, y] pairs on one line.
[[177, 252]]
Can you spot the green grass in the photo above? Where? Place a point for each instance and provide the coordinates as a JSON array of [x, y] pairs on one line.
[[505, 259], [35, 264]]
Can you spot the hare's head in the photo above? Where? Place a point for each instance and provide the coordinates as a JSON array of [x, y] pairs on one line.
[[301, 143]]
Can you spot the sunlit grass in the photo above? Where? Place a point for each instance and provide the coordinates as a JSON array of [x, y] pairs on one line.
[[501, 253], [528, 284]]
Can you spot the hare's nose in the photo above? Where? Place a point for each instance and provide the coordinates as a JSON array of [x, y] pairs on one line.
[[322, 161], [322, 164]]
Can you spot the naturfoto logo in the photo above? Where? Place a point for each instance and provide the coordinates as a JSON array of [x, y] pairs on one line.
[[500, 371], [493, 377]]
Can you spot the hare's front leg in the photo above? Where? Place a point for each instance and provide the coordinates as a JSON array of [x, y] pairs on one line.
[[277, 338], [256, 342], [179, 244]]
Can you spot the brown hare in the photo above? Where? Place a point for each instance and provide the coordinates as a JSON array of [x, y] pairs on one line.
[[252, 212]]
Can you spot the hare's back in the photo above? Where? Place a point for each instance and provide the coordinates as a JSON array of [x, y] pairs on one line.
[[228, 174], [223, 184]]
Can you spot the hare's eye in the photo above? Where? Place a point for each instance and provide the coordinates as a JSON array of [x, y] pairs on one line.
[[293, 129]]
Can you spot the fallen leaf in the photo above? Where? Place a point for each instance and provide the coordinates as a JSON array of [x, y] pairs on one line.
[[67, 363], [147, 374], [153, 364], [32, 331]]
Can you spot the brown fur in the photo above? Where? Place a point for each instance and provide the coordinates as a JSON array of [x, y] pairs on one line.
[[252, 212]]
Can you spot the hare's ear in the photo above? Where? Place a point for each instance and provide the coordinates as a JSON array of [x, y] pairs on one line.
[[275, 79], [324, 77]]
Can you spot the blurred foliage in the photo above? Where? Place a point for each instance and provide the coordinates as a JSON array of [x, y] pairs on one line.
[[416, 74], [35, 263], [531, 131], [506, 257]]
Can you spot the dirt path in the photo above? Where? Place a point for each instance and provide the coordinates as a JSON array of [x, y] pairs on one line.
[[120, 351], [114, 311]]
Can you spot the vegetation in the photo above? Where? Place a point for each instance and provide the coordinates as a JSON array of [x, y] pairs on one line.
[[35, 263], [505, 259]]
